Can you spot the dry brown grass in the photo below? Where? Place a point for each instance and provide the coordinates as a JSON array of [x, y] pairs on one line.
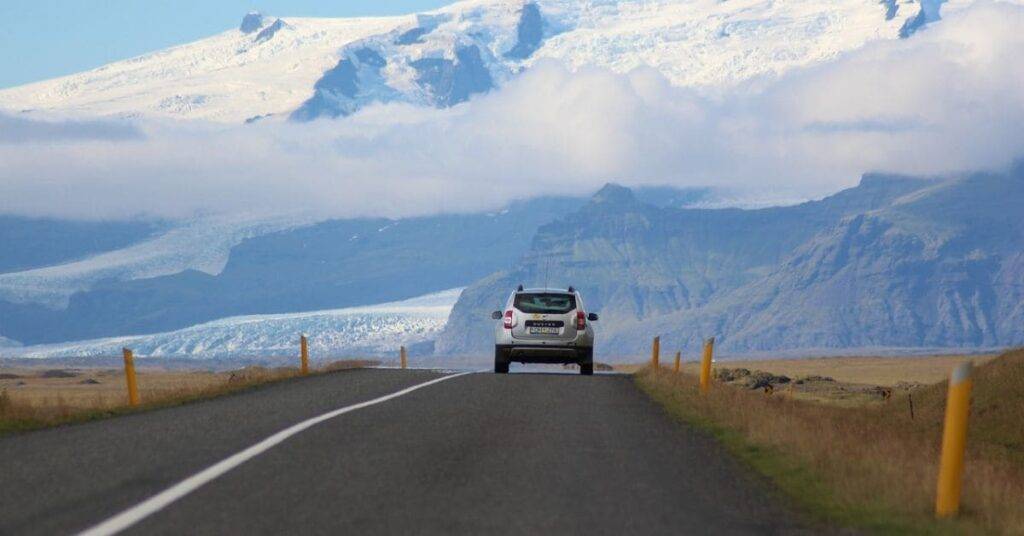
[[870, 370], [873, 466], [875, 370], [31, 398]]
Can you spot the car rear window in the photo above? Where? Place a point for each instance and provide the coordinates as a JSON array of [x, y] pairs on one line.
[[545, 303]]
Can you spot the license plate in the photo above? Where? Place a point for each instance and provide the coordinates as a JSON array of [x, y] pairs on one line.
[[543, 331]]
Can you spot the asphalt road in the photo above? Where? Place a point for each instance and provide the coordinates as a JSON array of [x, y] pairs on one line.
[[482, 453]]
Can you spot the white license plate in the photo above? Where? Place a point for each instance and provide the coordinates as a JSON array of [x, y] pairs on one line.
[[543, 331]]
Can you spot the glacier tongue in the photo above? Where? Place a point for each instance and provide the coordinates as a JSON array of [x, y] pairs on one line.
[[201, 244], [369, 330]]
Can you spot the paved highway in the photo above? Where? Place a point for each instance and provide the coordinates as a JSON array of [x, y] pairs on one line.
[[477, 453]]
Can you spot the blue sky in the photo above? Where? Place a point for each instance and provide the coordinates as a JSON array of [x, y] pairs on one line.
[[41, 39]]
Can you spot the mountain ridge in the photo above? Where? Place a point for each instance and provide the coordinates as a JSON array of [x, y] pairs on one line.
[[894, 262]]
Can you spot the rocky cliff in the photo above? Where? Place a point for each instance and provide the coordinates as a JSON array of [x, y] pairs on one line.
[[893, 262]]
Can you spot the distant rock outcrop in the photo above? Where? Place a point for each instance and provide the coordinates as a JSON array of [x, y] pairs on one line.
[[450, 82], [412, 36], [252, 22], [928, 13], [342, 89], [268, 33], [891, 8], [529, 32]]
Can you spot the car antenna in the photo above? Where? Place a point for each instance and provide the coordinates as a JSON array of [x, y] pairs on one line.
[[547, 266]]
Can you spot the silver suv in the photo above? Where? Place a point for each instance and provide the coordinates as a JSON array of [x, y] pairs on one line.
[[544, 326]]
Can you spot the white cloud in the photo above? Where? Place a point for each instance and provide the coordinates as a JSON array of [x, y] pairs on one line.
[[947, 99], [14, 130]]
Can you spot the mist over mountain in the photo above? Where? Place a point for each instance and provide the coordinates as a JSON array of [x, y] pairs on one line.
[[466, 108]]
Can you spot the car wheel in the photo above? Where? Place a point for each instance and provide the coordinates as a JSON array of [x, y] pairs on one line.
[[587, 362], [500, 361]]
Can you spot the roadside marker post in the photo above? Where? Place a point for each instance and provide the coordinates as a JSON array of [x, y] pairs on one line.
[[655, 350], [954, 442], [705, 365], [304, 355], [679, 356], [405, 358], [129, 376]]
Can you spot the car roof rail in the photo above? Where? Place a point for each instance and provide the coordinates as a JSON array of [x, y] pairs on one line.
[[519, 288]]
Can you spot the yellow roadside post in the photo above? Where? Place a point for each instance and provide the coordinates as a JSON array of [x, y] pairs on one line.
[[405, 358], [304, 354], [705, 365], [954, 441], [679, 356], [655, 350], [129, 376]]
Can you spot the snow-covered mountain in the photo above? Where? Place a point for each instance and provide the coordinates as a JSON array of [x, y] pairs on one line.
[[306, 68], [370, 330], [187, 273]]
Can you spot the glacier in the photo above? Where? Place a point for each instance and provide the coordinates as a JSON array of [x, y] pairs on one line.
[[202, 244], [368, 330], [276, 68]]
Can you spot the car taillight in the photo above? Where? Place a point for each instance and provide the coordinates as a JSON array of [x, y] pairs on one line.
[[508, 319], [581, 320]]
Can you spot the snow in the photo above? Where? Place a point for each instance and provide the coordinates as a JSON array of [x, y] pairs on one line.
[[227, 77], [369, 330], [201, 244], [708, 45]]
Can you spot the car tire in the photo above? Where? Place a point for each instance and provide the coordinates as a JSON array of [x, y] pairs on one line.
[[587, 362], [501, 360]]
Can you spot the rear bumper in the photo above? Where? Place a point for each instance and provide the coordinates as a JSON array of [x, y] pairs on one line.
[[548, 353]]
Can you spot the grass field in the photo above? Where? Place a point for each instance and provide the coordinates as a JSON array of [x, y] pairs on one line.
[[40, 396], [871, 466], [877, 370], [886, 371]]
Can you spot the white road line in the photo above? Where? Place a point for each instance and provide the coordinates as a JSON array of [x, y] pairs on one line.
[[159, 501]]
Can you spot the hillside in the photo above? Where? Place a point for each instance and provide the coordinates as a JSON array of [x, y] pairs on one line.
[[939, 268], [895, 262], [633, 260]]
